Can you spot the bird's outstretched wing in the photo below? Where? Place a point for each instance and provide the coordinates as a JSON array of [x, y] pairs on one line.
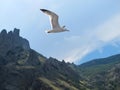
[[53, 18]]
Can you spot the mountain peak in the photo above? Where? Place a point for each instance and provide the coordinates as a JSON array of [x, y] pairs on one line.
[[14, 32], [10, 40], [22, 68]]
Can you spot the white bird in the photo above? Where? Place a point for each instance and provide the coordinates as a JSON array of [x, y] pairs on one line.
[[54, 22]]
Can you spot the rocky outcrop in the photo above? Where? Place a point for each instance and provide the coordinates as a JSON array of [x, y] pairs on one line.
[[22, 68], [11, 40]]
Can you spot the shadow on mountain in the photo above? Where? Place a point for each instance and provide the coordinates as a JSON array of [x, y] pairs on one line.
[[22, 68]]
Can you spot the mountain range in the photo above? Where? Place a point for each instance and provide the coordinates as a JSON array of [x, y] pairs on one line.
[[22, 68]]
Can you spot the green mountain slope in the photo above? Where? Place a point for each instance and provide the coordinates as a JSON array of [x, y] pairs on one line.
[[102, 74], [22, 68], [93, 67]]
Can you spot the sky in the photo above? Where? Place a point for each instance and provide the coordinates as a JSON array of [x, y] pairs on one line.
[[94, 27]]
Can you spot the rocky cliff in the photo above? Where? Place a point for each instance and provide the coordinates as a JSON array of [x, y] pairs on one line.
[[22, 68], [11, 40]]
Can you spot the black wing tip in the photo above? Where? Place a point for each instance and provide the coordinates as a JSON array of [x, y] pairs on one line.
[[43, 10]]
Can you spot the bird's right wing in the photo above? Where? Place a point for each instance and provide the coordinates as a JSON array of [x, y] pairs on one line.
[[53, 18]]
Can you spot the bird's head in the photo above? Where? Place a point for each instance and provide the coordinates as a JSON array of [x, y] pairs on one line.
[[48, 31], [64, 29], [63, 26]]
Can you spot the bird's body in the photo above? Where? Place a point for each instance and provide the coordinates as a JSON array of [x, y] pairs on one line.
[[54, 22]]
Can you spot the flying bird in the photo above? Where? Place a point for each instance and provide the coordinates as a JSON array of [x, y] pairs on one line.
[[56, 28]]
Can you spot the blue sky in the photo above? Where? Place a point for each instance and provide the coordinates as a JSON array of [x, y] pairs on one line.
[[94, 27]]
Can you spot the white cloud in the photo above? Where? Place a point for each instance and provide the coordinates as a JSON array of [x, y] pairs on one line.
[[109, 30], [104, 34]]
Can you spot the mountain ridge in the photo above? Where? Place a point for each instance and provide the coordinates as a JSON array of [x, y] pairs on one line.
[[93, 62], [22, 68], [12, 39], [100, 65]]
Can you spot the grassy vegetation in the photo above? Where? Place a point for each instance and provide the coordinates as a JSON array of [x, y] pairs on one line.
[[58, 84], [25, 67], [49, 83], [41, 59], [96, 66]]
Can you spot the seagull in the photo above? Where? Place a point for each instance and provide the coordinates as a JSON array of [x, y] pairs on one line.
[[56, 28]]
